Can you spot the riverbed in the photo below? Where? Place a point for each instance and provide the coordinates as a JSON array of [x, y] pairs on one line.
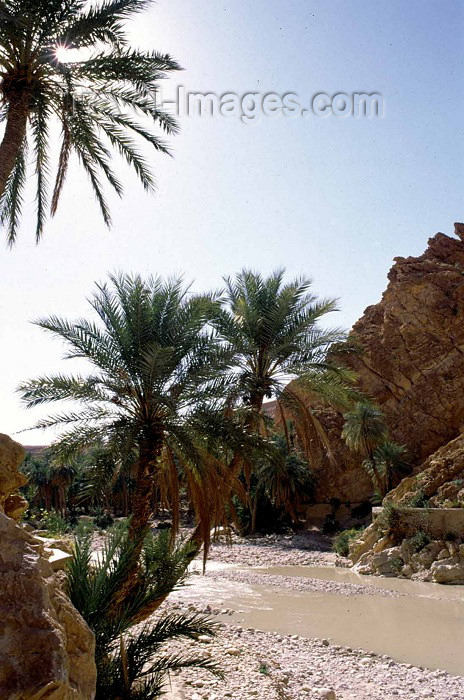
[[412, 622]]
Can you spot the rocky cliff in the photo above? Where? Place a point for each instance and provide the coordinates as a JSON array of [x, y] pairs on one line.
[[413, 361], [413, 340], [46, 648]]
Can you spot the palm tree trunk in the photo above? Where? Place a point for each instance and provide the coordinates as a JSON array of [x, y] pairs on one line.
[[15, 131], [150, 450], [254, 514]]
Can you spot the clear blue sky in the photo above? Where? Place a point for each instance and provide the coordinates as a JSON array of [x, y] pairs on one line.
[[332, 198]]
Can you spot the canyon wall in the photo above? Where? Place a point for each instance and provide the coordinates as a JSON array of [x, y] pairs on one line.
[[412, 363]]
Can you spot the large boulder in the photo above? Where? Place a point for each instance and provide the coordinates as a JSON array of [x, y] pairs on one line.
[[46, 648], [11, 456]]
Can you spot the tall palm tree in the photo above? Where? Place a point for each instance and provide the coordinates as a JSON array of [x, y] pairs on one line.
[[283, 353], [387, 465], [101, 100], [364, 429], [154, 397]]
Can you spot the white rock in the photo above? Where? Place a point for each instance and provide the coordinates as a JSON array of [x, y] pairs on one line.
[[324, 693]]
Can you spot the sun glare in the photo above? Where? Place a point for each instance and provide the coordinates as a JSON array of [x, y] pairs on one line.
[[62, 54]]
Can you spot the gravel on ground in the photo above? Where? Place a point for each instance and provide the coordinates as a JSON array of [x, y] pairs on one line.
[[267, 666]]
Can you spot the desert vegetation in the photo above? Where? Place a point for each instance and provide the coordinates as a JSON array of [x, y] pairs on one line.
[[235, 424]]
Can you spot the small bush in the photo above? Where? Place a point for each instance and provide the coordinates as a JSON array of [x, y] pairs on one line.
[[341, 543], [388, 520], [103, 520], [419, 540], [419, 500], [396, 564], [51, 521]]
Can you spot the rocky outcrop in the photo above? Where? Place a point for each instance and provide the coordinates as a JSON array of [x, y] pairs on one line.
[[416, 557], [440, 481], [412, 363], [11, 456], [408, 542], [413, 340], [46, 648]]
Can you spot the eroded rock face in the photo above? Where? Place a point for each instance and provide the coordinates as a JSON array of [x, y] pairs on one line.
[[413, 339], [412, 365], [440, 480], [46, 648], [11, 456]]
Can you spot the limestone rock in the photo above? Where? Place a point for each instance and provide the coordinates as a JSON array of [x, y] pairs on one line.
[[15, 505], [46, 648], [361, 545], [441, 475], [447, 571], [324, 693], [11, 456]]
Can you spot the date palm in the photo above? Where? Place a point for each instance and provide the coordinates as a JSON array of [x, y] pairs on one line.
[[154, 398], [283, 353], [366, 432], [104, 100]]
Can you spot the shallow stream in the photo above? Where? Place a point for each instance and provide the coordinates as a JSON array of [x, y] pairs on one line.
[[424, 625]]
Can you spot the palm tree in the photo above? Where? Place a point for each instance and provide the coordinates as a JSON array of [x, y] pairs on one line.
[[287, 482], [387, 465], [101, 100], [366, 432], [155, 397], [283, 353], [364, 429], [134, 666]]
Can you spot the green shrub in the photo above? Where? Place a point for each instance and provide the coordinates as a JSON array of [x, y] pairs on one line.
[[419, 540], [51, 521], [419, 500], [102, 520], [341, 543], [396, 564], [389, 521]]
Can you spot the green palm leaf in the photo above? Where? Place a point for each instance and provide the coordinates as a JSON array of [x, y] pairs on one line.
[[105, 102]]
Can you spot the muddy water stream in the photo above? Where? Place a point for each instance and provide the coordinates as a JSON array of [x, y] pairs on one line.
[[424, 625]]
